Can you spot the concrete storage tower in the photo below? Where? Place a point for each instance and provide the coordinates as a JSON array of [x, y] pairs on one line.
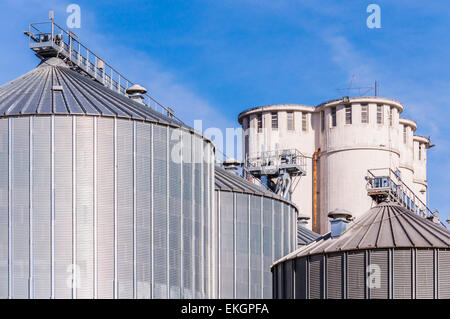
[[98, 185], [389, 253], [254, 228], [343, 142]]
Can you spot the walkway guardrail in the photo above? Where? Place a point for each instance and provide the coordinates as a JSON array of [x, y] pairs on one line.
[[386, 183], [49, 39]]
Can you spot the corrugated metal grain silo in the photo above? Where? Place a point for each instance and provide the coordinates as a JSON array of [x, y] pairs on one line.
[[94, 199], [255, 227], [389, 253]]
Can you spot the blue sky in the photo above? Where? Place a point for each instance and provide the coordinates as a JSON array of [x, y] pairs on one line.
[[212, 59]]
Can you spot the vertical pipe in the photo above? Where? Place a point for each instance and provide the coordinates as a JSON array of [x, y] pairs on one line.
[[316, 159]]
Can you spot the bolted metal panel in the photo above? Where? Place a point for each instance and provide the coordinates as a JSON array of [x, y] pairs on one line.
[[84, 207], [275, 280], [4, 241], [226, 245], [444, 274], [288, 280], [267, 247], [278, 287], [187, 186], [301, 278], [20, 206], [356, 283], [206, 184], [315, 276], [105, 208], [160, 211], [62, 172], [402, 275], [286, 230], [218, 243], [82, 175], [277, 230], [197, 151], [125, 221], [255, 247], [242, 238], [425, 274], [175, 213], [379, 259], [41, 199], [335, 278], [143, 210]]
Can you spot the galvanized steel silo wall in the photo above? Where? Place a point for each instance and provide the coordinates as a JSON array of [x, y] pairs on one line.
[[99, 207], [253, 232], [395, 273]]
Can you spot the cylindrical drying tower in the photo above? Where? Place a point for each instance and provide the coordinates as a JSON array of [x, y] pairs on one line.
[[101, 197], [341, 139], [389, 253], [254, 228], [355, 136], [280, 127]]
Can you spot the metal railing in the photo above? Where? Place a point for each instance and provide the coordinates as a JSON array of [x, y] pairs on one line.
[[48, 38], [384, 181], [277, 158]]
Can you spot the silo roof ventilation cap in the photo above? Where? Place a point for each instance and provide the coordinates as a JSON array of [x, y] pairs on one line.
[[136, 88], [339, 220], [302, 220], [231, 164], [136, 93]]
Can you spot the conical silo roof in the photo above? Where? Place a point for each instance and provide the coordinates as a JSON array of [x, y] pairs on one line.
[[386, 225], [229, 182], [306, 236], [54, 88]]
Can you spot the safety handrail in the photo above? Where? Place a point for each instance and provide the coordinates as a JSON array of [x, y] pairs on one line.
[[79, 55], [400, 191]]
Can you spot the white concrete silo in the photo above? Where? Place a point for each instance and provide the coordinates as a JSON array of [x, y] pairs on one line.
[[341, 139]]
